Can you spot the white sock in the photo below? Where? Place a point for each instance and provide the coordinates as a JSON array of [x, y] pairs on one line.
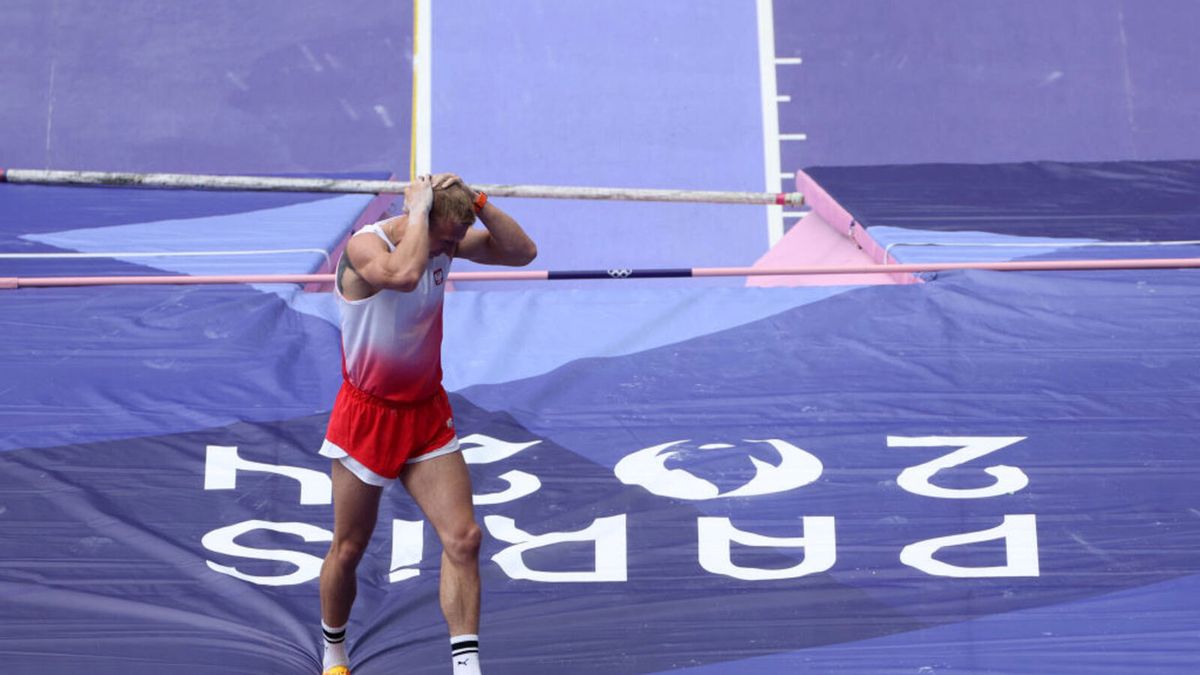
[[464, 654], [335, 647]]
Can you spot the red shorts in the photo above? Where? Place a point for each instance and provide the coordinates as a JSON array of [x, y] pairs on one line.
[[381, 436]]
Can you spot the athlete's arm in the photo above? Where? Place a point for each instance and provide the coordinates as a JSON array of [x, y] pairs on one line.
[[400, 269], [502, 241]]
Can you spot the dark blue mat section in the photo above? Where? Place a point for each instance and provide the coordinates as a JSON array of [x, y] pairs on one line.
[[1117, 201]]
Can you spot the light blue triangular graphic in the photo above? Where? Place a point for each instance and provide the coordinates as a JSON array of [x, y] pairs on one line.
[[494, 337], [934, 246], [321, 305], [291, 239]]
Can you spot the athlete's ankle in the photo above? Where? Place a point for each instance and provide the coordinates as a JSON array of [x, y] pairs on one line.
[[335, 646], [464, 654]]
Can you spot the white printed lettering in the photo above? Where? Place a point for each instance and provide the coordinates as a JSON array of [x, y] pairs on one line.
[[917, 479], [308, 567], [608, 535], [408, 547], [487, 450], [1019, 533], [716, 536], [222, 463]]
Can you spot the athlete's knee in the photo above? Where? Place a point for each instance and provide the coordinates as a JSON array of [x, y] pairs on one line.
[[462, 543], [346, 552]]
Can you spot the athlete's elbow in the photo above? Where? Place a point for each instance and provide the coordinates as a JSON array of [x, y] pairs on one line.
[[527, 254]]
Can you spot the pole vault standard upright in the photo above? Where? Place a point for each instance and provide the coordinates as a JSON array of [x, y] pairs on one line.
[[185, 181]]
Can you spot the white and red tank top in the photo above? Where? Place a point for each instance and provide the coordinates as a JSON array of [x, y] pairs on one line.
[[392, 341]]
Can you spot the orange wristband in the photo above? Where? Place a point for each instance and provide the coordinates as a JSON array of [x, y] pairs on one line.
[[480, 200]]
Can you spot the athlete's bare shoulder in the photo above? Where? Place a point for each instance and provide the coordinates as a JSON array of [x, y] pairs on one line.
[[350, 282]]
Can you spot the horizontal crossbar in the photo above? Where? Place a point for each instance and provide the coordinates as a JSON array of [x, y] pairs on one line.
[[184, 181]]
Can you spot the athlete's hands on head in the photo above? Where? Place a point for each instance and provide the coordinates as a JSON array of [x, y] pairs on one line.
[[418, 196], [445, 180]]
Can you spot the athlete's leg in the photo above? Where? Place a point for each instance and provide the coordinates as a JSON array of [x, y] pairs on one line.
[[441, 486], [355, 508]]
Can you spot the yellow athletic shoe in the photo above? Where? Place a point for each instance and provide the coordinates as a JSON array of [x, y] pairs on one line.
[[337, 670]]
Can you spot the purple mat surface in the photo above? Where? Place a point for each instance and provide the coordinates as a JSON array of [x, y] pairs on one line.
[[718, 481], [223, 87]]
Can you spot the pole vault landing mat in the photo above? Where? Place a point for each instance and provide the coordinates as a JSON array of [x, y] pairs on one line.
[[986, 472]]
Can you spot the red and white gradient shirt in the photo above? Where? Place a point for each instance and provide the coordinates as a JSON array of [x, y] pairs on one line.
[[392, 341]]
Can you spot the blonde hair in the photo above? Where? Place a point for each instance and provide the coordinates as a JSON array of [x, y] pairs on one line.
[[453, 202]]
